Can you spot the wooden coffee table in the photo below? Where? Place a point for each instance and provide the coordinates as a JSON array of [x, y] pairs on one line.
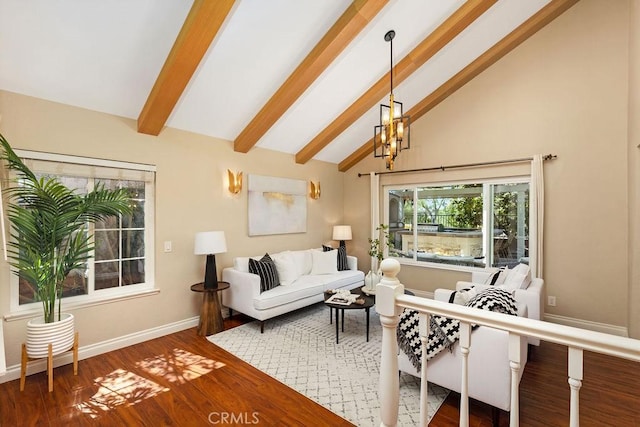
[[369, 301]]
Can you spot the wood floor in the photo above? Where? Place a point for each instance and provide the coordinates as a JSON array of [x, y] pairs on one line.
[[183, 380]]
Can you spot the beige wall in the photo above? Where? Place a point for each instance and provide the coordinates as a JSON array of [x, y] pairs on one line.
[[190, 197], [634, 169], [564, 91]]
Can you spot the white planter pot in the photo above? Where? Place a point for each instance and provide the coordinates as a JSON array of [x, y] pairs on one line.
[[40, 334], [370, 282]]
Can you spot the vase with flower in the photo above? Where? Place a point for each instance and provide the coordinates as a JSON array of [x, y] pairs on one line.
[[376, 252]]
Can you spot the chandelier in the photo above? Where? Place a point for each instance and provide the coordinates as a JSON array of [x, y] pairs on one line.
[[392, 134]]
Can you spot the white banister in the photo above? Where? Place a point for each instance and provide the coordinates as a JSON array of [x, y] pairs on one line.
[[575, 382], [391, 300], [386, 292], [465, 343], [515, 341], [423, 328]]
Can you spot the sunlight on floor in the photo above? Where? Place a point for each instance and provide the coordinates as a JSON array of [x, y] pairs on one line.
[[179, 366], [122, 387]]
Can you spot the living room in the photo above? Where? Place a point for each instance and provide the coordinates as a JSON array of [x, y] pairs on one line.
[[569, 90]]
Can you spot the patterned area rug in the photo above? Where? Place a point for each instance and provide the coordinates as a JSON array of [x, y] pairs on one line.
[[299, 349]]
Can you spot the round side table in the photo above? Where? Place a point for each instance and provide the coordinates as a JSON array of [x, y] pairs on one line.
[[210, 313], [369, 301]]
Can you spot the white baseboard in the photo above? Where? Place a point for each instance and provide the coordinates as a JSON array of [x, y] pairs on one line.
[[84, 352], [620, 331]]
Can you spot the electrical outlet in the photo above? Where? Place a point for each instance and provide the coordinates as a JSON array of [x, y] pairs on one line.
[[167, 246], [551, 301]]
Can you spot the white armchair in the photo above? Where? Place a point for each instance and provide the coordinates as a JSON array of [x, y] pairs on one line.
[[489, 371]]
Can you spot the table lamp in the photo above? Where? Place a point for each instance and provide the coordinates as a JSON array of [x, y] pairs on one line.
[[210, 243], [342, 233]]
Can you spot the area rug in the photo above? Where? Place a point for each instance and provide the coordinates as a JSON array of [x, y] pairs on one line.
[[299, 349]]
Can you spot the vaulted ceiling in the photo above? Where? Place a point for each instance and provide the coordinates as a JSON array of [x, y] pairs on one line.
[[303, 77]]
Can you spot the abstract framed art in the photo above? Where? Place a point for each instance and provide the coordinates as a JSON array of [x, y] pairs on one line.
[[276, 205]]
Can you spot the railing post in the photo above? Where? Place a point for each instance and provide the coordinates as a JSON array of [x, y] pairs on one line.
[[423, 328], [386, 292], [465, 343], [514, 362], [575, 382]]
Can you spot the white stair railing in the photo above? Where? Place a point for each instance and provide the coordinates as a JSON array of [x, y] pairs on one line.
[[390, 301]]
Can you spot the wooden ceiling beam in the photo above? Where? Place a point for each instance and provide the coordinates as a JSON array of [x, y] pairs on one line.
[[538, 21], [346, 28], [447, 31], [198, 31]]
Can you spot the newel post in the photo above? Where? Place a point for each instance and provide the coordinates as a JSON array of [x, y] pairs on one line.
[[386, 292]]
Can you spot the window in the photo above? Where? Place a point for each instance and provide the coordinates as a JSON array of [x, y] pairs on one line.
[[121, 264], [119, 242], [472, 224]]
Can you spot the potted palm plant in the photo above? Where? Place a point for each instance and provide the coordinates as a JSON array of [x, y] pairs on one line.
[[50, 238]]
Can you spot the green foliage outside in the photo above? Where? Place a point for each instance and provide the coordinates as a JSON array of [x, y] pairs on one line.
[[466, 212]]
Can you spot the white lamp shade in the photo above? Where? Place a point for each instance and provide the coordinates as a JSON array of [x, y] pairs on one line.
[[210, 242], [341, 232]]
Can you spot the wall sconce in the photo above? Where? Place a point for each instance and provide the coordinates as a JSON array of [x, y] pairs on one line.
[[235, 181], [314, 192]]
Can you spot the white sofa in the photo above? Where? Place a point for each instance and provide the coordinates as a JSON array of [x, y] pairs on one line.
[[489, 371], [302, 283]]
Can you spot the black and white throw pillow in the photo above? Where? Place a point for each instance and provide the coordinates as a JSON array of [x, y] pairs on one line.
[[342, 256], [463, 296], [495, 299], [497, 277], [266, 269]]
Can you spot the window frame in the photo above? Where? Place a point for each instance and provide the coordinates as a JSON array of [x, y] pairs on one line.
[[487, 217], [102, 296]]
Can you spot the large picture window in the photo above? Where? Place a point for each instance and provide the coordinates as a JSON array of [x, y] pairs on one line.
[[121, 263], [472, 224]]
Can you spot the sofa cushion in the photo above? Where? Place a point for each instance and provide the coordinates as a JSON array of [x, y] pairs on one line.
[[307, 286], [495, 299], [518, 278], [266, 269], [286, 266], [342, 256], [342, 279], [497, 276], [324, 262], [241, 263], [463, 296], [304, 287], [303, 261]]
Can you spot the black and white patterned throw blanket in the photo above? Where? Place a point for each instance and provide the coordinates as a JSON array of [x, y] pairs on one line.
[[444, 332]]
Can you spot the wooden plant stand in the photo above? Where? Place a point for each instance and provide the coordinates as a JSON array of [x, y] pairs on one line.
[[25, 359]]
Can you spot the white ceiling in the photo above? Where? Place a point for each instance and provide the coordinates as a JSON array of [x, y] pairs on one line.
[[106, 55]]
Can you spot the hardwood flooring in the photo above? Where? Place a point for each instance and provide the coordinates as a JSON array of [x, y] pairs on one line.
[[609, 396], [184, 380]]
